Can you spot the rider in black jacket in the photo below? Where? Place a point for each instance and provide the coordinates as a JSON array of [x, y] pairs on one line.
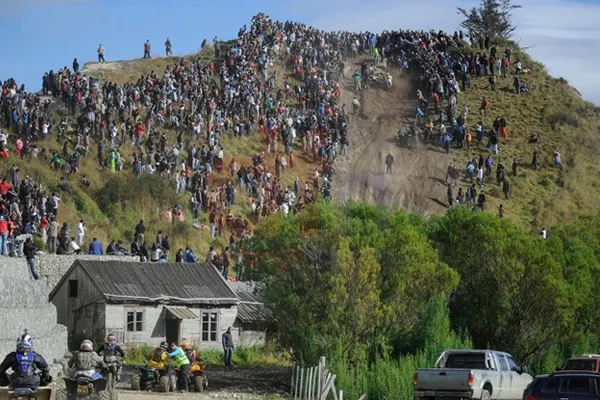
[[24, 363]]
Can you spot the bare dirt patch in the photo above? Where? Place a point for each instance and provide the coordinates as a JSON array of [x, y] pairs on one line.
[[361, 175]]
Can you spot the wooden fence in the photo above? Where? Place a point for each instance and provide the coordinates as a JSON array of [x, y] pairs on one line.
[[315, 383]]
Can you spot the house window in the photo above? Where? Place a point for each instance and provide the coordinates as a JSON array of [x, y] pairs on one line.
[[135, 321], [73, 288], [209, 326]]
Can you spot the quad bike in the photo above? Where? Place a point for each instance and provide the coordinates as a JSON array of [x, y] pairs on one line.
[[198, 378], [110, 372], [152, 378], [25, 393], [198, 381], [85, 387]]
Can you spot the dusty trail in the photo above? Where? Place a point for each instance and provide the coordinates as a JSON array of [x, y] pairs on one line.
[[415, 183]]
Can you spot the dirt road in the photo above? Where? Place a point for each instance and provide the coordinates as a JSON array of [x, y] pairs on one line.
[[240, 383], [361, 175]]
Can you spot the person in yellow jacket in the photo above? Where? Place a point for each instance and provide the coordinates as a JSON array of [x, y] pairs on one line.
[[159, 358], [182, 364]]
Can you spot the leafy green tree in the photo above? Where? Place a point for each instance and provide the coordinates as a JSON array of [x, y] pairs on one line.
[[354, 297], [512, 295], [492, 18]]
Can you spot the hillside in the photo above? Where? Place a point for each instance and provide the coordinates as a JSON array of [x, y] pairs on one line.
[[114, 203]]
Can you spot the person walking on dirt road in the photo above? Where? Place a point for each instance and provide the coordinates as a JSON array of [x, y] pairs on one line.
[[389, 160], [227, 340]]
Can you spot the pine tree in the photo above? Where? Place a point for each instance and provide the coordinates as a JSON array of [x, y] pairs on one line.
[[493, 18]]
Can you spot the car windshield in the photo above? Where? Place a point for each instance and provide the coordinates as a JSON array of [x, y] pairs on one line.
[[466, 360], [580, 365]]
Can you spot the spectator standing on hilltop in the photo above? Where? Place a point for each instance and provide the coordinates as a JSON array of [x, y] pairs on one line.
[[30, 251], [147, 49], [75, 66], [100, 54], [168, 51]]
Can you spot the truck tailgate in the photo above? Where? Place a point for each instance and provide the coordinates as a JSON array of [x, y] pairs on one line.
[[442, 379]]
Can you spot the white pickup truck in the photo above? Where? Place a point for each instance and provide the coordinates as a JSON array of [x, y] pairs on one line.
[[472, 374]]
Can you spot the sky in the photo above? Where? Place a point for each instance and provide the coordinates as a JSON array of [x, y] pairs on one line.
[[39, 35]]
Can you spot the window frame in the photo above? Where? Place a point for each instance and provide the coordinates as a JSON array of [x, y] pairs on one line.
[[136, 312], [509, 359], [567, 390], [217, 323], [73, 286]]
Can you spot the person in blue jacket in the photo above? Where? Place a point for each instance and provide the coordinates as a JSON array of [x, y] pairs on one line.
[[96, 248]]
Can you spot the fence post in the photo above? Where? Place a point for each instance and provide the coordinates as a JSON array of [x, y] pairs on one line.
[[292, 381], [301, 383], [310, 384]]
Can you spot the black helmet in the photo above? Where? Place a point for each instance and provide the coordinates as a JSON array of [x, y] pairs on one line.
[[164, 345]]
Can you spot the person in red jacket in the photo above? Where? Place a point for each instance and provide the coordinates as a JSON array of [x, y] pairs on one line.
[[4, 187], [3, 233]]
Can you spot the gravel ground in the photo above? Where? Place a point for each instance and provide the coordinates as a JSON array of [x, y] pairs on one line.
[[241, 383]]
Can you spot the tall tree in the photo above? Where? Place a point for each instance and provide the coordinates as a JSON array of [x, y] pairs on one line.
[[492, 18]]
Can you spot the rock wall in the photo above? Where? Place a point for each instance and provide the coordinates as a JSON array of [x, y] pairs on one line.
[[25, 304]]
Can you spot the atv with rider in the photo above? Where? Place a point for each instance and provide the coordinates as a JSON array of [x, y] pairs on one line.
[[30, 371], [86, 382], [155, 374], [198, 381]]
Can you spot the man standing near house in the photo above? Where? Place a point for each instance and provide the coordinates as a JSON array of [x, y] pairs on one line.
[[228, 347], [30, 251]]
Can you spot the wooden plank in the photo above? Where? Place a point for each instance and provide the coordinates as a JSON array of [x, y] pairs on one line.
[[316, 384], [309, 389], [341, 395], [292, 380], [301, 383], [334, 390], [363, 397]]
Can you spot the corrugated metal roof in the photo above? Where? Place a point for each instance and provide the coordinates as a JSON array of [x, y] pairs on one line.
[[252, 309], [184, 283], [181, 312]]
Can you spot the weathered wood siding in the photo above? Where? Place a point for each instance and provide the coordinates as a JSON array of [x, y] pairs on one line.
[[79, 312], [154, 328]]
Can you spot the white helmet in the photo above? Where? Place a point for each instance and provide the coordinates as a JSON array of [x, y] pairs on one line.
[[86, 345]]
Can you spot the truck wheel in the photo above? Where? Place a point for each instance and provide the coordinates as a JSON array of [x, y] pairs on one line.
[[485, 395], [164, 384], [136, 382]]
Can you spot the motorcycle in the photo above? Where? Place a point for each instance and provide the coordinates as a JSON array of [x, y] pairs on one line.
[[112, 366], [85, 387], [155, 379]]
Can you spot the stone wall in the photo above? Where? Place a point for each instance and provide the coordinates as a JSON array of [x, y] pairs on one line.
[[25, 304]]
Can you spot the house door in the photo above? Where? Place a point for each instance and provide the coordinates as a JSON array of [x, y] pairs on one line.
[[173, 330]]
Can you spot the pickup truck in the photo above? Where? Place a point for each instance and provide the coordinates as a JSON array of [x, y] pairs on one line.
[[472, 374]]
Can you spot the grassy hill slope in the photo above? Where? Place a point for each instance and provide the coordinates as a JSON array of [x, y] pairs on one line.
[[554, 110]]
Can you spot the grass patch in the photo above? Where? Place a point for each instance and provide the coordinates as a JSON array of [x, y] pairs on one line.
[[257, 356]]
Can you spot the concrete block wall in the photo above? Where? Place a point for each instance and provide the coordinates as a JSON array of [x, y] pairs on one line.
[[25, 304]]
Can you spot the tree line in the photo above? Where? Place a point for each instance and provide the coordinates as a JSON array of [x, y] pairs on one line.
[[368, 286]]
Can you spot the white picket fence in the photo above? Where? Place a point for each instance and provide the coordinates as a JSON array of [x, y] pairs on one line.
[[315, 383]]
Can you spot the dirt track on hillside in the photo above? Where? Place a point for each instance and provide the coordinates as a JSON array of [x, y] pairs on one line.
[[416, 182]]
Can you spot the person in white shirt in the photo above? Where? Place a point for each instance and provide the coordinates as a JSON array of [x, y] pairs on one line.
[[75, 249], [544, 234], [80, 232]]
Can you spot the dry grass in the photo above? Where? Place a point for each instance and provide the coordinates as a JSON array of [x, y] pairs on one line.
[[549, 195], [538, 198]]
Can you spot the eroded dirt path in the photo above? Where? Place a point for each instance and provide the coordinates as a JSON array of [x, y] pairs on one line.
[[415, 182]]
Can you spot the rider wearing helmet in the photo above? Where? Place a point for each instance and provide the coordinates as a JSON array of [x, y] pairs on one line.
[[86, 361], [196, 362], [24, 362], [159, 358], [111, 349]]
